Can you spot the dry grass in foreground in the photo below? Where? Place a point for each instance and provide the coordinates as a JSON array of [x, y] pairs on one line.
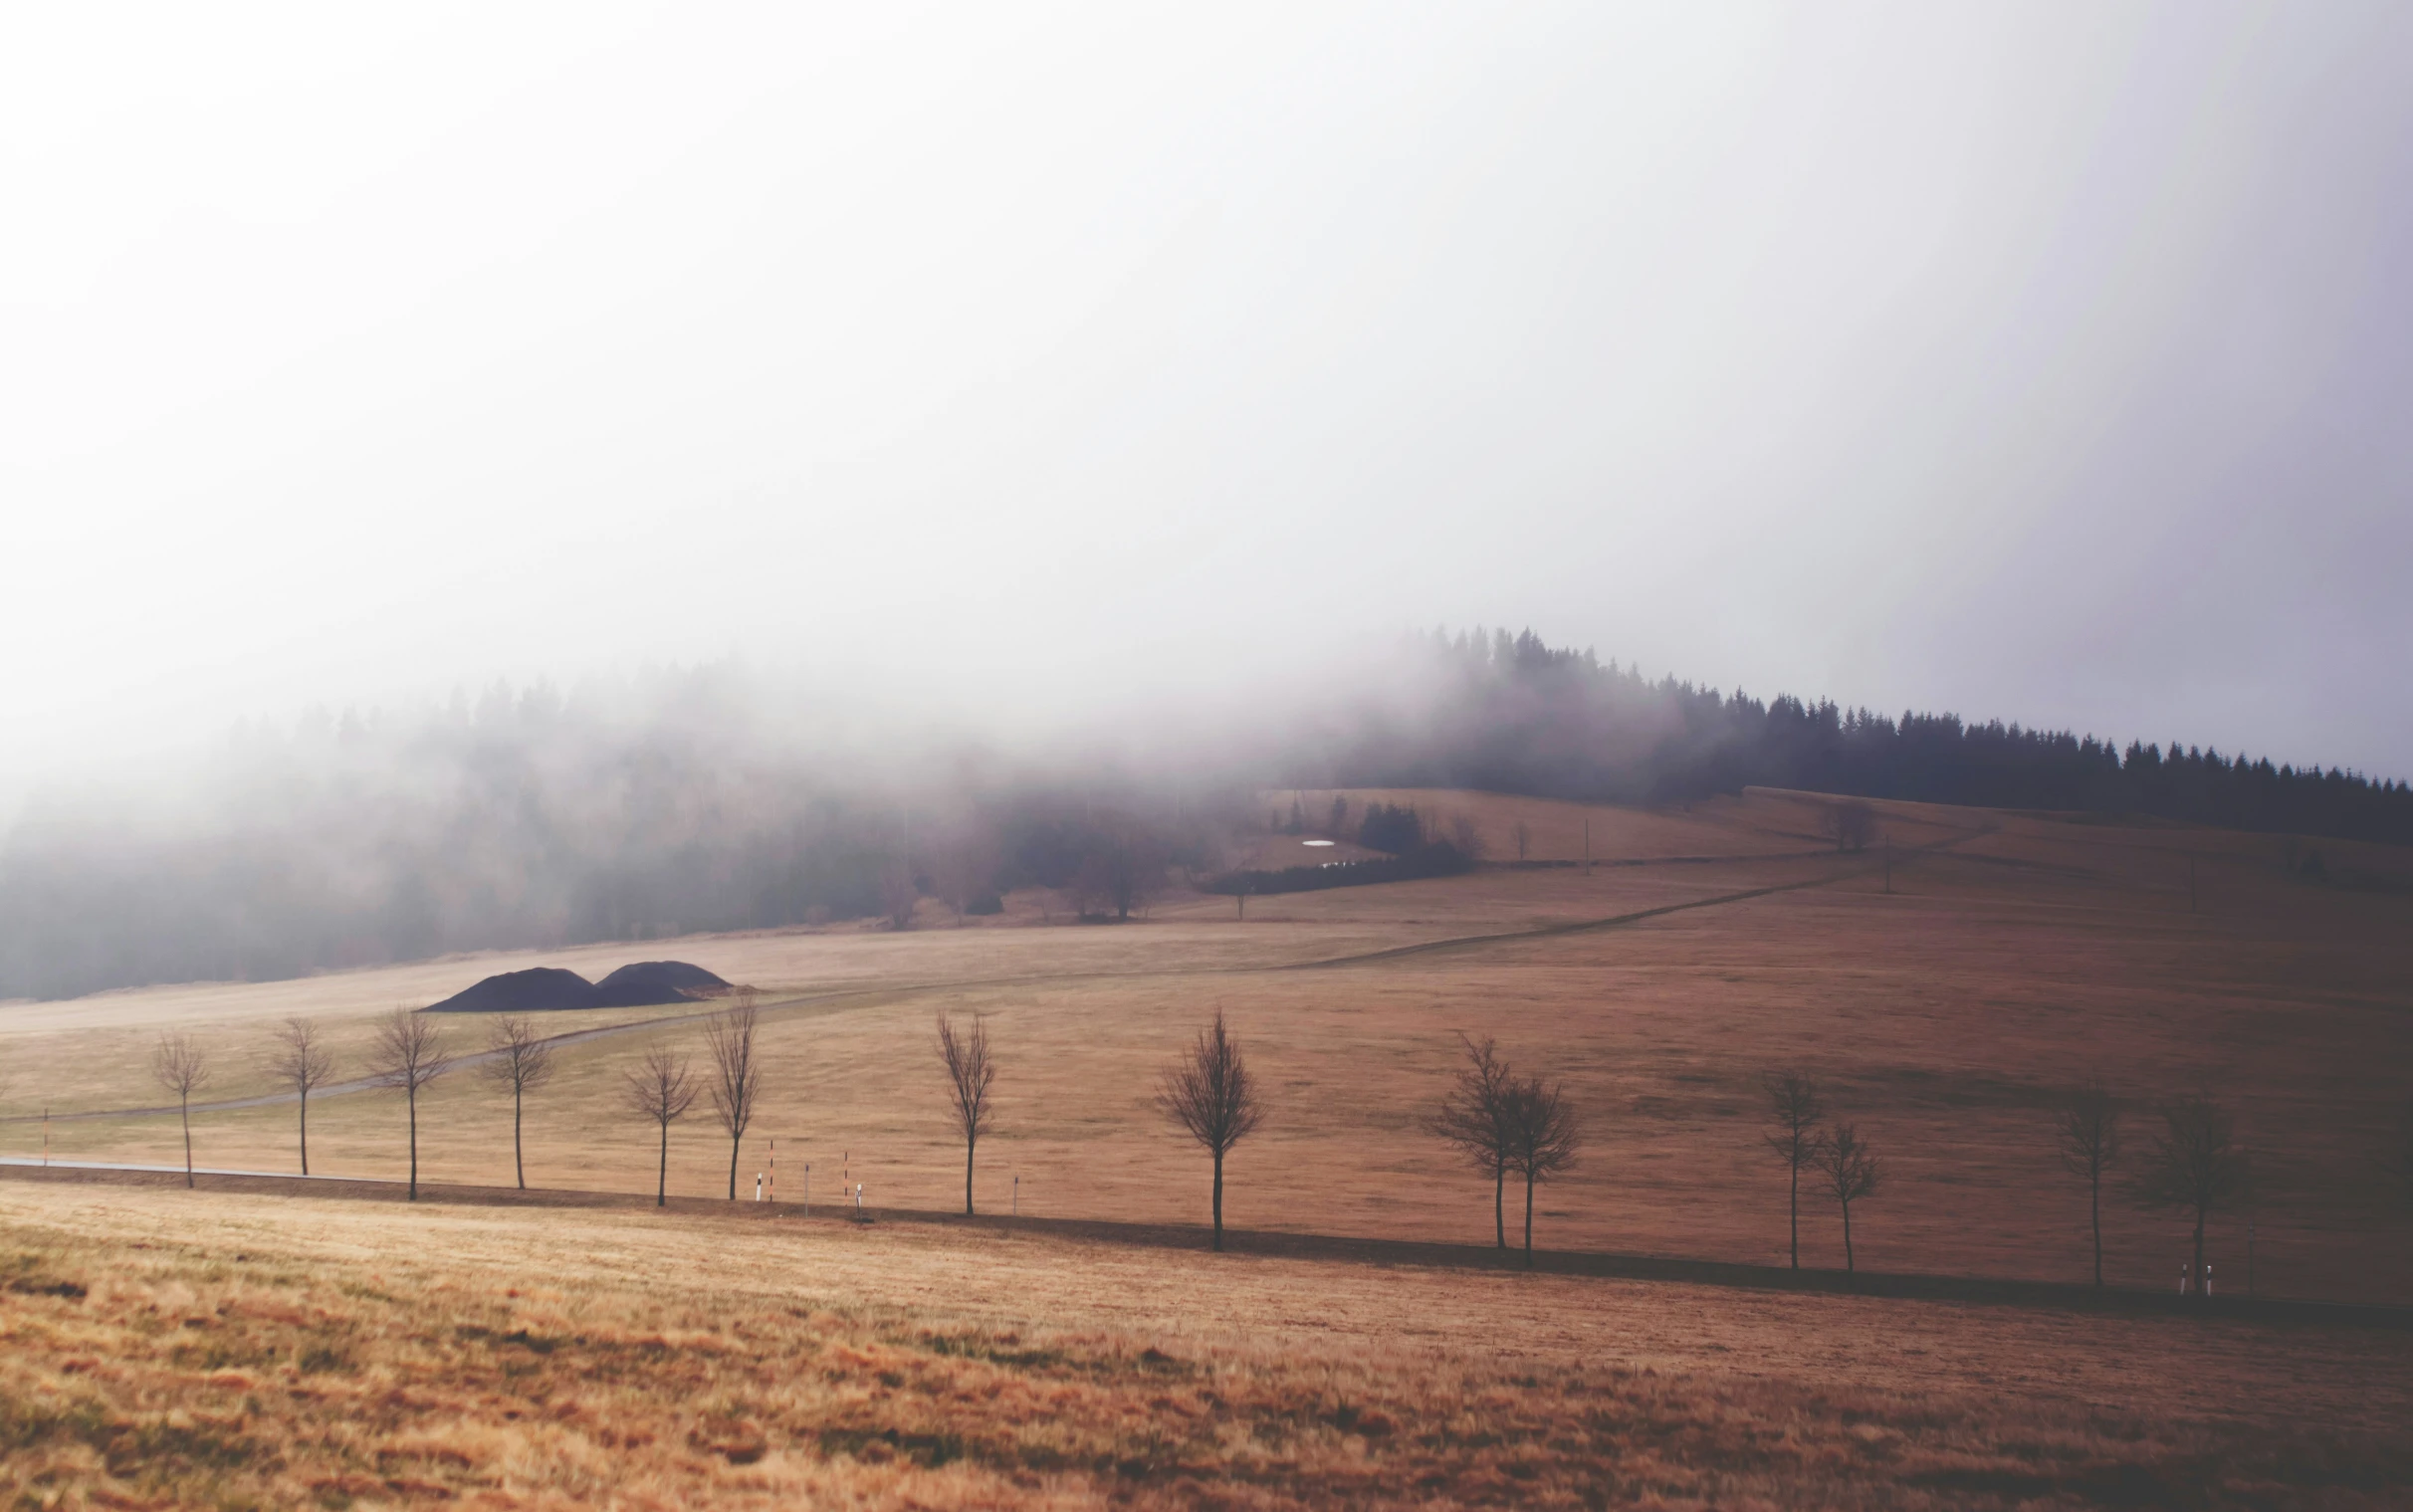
[[233, 1352]]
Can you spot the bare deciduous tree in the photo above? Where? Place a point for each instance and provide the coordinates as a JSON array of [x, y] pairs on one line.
[[1795, 1111], [969, 869], [737, 1080], [898, 894], [300, 1062], [521, 1061], [2086, 1129], [2195, 1165], [409, 1053], [1524, 838], [1543, 1138], [968, 1074], [1121, 871], [183, 1070], [1468, 838], [1850, 1172], [1852, 824], [1209, 1094], [1472, 1117], [661, 1090]]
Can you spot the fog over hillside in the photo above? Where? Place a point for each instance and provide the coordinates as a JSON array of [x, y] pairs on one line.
[[715, 799]]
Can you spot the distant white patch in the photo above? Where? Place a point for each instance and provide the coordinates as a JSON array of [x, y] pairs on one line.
[[1315, 843]]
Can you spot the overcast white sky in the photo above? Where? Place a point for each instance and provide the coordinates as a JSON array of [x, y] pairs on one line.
[[2050, 361]]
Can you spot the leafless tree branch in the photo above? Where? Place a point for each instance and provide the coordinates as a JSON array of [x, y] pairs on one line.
[[521, 1062], [183, 1070], [736, 1082], [970, 1070], [1850, 1174], [660, 1089], [1472, 1119], [408, 1053], [300, 1062], [1210, 1095], [1795, 1109], [2086, 1131], [1543, 1137], [2195, 1165]]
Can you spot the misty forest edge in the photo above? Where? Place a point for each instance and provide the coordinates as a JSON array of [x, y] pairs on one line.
[[547, 826]]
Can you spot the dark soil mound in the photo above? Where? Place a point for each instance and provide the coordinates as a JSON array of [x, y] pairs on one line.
[[652, 981], [539, 989]]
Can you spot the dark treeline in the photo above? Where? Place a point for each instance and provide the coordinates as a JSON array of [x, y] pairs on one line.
[[1413, 852], [1513, 715]]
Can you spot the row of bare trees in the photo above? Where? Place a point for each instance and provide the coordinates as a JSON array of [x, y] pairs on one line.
[[1503, 1123], [2193, 1165], [408, 1053], [1207, 1092], [1506, 1125]]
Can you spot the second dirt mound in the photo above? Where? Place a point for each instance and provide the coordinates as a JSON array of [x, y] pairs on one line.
[[652, 981]]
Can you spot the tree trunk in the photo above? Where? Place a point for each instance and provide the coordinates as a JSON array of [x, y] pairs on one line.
[[968, 1148], [1500, 1203], [305, 1133], [1529, 1220], [2094, 1204], [1219, 1199], [662, 1172], [735, 1140], [518, 1160], [2200, 1289], [414, 1144], [1848, 1265], [1797, 1214], [186, 1102]]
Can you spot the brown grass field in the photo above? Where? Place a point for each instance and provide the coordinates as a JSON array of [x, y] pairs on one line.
[[174, 1348], [2015, 954]]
